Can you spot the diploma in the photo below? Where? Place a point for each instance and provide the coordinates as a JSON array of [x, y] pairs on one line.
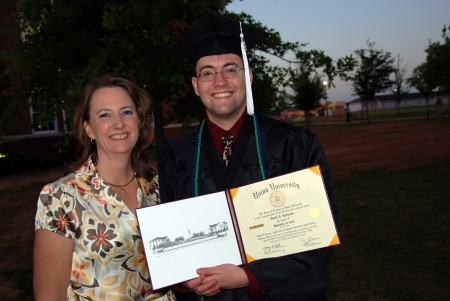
[[284, 215], [271, 218]]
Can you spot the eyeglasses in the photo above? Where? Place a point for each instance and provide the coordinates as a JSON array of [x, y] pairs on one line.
[[209, 75]]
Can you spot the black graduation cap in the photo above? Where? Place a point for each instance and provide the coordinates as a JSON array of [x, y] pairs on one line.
[[215, 34]]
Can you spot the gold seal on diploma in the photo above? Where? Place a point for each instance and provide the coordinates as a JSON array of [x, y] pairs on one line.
[[277, 198], [314, 212]]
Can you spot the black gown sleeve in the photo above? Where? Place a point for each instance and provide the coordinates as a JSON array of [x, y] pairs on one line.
[[166, 171]]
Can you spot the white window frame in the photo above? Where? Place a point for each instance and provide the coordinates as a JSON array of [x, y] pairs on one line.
[[42, 131]]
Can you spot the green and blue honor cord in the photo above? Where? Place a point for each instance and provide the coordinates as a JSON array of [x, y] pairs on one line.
[[198, 145]]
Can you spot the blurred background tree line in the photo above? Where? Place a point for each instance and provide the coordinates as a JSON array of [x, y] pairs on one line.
[[66, 43]]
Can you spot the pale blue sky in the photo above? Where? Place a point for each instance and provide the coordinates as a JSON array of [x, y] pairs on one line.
[[339, 27]]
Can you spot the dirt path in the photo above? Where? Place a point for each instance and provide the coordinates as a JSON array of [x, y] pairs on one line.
[[390, 145], [352, 147]]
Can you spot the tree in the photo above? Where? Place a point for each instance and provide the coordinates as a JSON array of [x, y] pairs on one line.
[[179, 239], [372, 74], [308, 90], [399, 90], [283, 102], [45, 57], [438, 60], [306, 82], [423, 80], [137, 37], [68, 43]]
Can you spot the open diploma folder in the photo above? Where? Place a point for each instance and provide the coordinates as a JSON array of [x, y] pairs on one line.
[[275, 217]]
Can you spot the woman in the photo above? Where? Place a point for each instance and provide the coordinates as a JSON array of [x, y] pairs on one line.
[[87, 243]]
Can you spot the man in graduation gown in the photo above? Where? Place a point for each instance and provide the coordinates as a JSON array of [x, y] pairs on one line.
[[195, 163]]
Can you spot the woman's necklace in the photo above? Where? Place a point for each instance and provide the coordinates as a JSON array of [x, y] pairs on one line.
[[123, 193]]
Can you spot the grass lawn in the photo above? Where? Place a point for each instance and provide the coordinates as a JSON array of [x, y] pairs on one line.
[[408, 112], [380, 115], [394, 229]]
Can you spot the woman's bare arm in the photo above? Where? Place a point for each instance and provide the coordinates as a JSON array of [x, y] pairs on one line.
[[52, 264]]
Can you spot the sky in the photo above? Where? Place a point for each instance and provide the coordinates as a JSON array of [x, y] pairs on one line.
[[339, 27]]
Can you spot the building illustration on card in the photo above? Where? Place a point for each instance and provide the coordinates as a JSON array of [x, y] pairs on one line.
[[163, 244]]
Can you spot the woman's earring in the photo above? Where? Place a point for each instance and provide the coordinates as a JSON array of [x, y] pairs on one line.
[[93, 141]]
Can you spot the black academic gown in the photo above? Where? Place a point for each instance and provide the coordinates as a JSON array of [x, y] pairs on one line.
[[287, 148]]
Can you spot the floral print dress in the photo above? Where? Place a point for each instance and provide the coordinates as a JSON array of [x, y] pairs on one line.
[[108, 255]]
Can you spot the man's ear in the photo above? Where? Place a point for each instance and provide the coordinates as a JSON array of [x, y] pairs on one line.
[[88, 129], [251, 75], [194, 81]]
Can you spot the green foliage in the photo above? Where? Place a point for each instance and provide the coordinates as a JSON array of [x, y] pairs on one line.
[[308, 90], [310, 61], [307, 84], [58, 39], [67, 43], [265, 93], [273, 44], [283, 102], [438, 59], [266, 78], [435, 72], [372, 74], [422, 79]]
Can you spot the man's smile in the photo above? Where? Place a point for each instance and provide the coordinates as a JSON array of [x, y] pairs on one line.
[[223, 94]]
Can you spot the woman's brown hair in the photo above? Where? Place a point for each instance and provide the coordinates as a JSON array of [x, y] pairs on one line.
[[85, 148]]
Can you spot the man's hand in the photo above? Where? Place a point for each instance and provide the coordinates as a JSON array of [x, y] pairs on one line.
[[203, 287], [227, 276]]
